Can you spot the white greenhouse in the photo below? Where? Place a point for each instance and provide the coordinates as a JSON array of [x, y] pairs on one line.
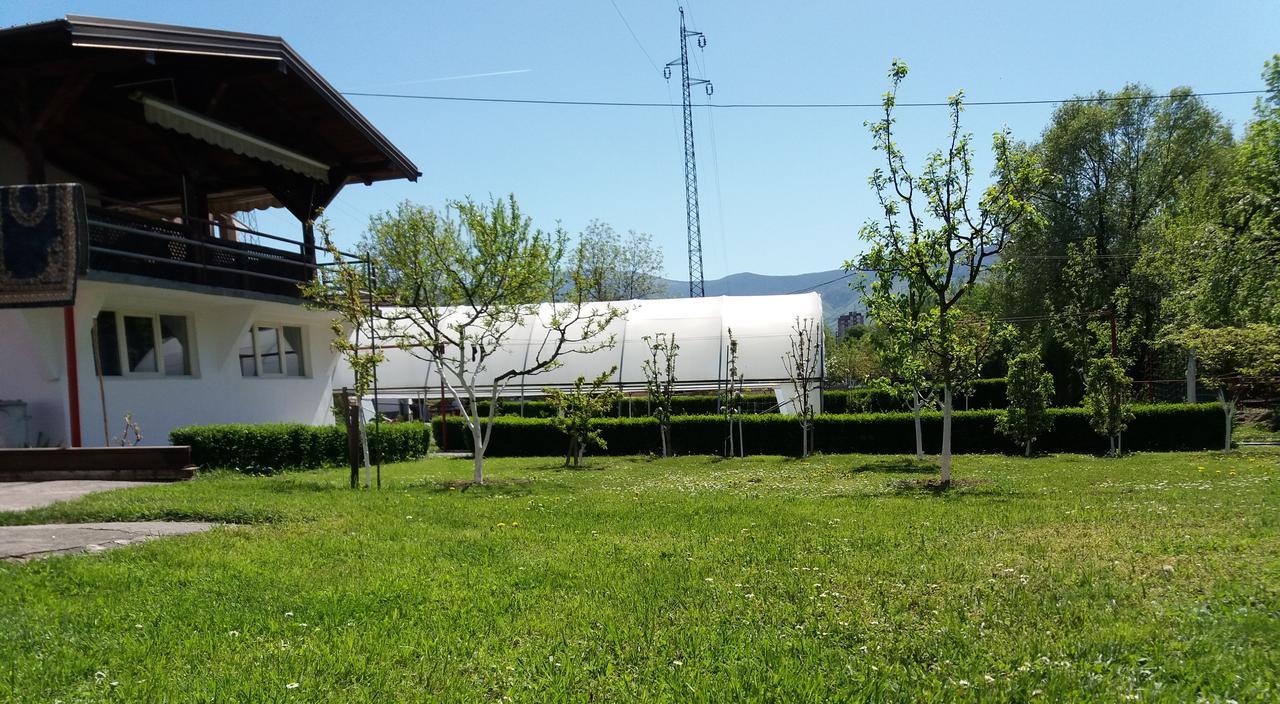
[[762, 325]]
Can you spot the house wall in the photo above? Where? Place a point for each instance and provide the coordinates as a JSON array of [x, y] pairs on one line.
[[32, 360], [215, 393]]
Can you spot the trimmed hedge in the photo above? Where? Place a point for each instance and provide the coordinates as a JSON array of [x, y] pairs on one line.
[[1164, 427], [639, 407], [267, 448], [987, 393]]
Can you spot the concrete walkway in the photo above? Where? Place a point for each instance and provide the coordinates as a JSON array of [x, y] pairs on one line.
[[20, 496], [22, 543]]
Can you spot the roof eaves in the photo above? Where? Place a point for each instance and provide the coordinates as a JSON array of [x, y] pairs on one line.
[[128, 34]]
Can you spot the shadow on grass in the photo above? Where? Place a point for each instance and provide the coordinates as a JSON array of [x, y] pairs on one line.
[[491, 487], [938, 488], [899, 465]]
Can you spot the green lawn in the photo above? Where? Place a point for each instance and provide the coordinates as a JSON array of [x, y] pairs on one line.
[[1150, 578]]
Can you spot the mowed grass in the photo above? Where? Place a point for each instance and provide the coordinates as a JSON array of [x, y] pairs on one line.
[[1151, 578]]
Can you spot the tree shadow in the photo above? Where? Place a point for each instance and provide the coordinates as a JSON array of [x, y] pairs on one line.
[[937, 487], [900, 465], [491, 487]]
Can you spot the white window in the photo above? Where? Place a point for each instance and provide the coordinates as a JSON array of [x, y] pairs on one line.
[[272, 350], [144, 344]]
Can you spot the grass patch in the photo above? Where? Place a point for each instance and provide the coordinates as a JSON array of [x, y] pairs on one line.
[[1062, 578]]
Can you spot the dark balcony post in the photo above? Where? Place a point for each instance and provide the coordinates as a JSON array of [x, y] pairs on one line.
[[308, 241]]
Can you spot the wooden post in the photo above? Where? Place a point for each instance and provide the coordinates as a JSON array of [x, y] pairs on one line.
[[355, 450], [73, 375]]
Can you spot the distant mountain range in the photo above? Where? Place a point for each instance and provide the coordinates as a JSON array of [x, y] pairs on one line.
[[838, 297]]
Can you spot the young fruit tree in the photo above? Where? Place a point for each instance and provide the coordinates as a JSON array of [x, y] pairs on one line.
[[902, 330], [345, 289], [731, 401], [1030, 389], [1106, 398], [938, 237], [576, 408], [803, 364], [660, 379], [457, 287], [1238, 362]]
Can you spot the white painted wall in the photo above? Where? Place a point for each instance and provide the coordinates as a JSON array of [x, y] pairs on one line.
[[32, 360], [215, 393]]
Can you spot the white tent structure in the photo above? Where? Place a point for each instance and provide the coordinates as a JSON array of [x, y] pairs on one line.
[[762, 325]]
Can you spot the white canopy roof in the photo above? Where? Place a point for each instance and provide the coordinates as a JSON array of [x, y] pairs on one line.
[[762, 325]]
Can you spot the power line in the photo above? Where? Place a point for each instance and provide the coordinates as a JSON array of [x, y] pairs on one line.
[[785, 106], [855, 272], [633, 36]]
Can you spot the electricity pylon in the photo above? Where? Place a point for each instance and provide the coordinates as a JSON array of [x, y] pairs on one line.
[[692, 214]]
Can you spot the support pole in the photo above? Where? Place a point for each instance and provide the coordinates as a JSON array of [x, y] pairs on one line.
[[1191, 378], [73, 373]]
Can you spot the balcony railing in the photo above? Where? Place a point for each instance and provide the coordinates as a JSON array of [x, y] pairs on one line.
[[165, 250]]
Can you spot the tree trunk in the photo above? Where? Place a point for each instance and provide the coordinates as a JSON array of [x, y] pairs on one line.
[[946, 435], [477, 453], [1028, 450], [915, 407]]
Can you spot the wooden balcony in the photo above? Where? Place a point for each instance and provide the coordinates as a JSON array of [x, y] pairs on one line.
[[158, 249]]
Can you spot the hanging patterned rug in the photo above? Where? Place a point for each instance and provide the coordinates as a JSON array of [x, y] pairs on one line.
[[43, 244]]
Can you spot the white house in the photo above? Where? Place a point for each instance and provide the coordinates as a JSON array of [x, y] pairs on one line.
[[170, 131]]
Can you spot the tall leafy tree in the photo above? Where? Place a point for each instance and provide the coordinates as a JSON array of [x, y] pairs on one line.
[[1220, 252], [620, 268], [937, 236], [455, 286], [1115, 163]]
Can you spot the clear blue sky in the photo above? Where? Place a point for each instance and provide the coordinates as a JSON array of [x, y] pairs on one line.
[[782, 191]]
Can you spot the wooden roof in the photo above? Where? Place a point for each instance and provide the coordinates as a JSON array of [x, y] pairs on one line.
[[75, 84]]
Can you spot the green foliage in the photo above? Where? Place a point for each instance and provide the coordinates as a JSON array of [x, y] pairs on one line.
[[1106, 399], [268, 448], [454, 285], [934, 241], [575, 409], [1030, 390], [852, 360], [1161, 427], [620, 269]]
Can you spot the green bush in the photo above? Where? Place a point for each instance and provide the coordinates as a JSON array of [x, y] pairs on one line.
[[1163, 427], [268, 448]]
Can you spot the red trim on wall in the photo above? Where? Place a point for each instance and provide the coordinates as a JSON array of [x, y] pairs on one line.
[[73, 373]]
